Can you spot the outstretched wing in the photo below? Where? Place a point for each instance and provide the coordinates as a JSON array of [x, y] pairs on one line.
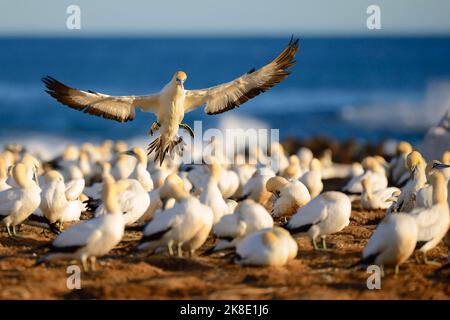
[[119, 108], [232, 94]]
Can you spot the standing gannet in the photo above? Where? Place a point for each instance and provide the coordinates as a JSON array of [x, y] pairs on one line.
[[398, 171], [18, 203], [228, 183], [278, 160], [140, 172], [3, 174], [294, 170], [424, 198], [289, 196], [155, 200], [416, 165], [392, 243], [133, 200], [91, 238], [173, 101], [123, 167], [248, 217], [211, 195], [305, 155], [59, 204], [326, 214], [267, 247], [185, 224], [375, 174], [381, 199], [433, 223], [313, 178]]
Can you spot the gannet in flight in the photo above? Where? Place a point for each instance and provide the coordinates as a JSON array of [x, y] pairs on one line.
[[173, 101]]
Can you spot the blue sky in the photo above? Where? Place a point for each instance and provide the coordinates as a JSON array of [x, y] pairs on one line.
[[226, 17]]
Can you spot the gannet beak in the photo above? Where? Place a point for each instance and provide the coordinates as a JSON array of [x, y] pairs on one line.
[[180, 82], [441, 166], [164, 203], [130, 153]]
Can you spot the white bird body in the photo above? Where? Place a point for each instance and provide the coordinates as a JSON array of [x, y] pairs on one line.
[[59, 203], [377, 180], [18, 203], [406, 200], [433, 223], [133, 201], [326, 214], [289, 196], [313, 179], [255, 188], [228, 183], [393, 241], [212, 197], [183, 224], [266, 247], [3, 174], [248, 217], [173, 101], [94, 237], [381, 199]]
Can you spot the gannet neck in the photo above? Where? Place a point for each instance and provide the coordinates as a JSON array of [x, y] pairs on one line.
[[3, 169], [109, 196], [439, 188], [53, 175], [20, 175]]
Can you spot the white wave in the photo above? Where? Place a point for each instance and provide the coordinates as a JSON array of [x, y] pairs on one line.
[[400, 115]]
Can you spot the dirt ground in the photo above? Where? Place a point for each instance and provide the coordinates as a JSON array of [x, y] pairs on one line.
[[126, 274]]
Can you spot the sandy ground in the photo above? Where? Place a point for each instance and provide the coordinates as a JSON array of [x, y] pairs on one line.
[[126, 274]]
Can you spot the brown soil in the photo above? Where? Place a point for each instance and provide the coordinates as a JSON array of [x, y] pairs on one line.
[[125, 274]]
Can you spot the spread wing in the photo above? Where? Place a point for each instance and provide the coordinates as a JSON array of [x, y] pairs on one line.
[[119, 108], [232, 94]]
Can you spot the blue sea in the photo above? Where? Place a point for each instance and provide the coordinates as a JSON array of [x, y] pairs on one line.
[[365, 88]]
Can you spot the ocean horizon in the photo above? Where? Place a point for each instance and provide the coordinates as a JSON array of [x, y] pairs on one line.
[[365, 88]]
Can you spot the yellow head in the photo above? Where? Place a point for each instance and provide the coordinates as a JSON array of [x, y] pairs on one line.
[[446, 157], [404, 148], [414, 160], [53, 175], [275, 184], [180, 77]]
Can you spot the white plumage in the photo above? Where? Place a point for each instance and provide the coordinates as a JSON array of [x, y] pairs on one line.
[[326, 214], [267, 247]]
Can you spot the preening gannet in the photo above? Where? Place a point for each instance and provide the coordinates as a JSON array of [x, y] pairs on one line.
[[133, 201], [91, 238], [255, 188], [392, 243], [375, 174], [58, 203], [398, 171], [289, 196], [381, 199], [433, 223], [424, 198], [248, 217], [328, 213], [187, 223], [18, 203], [267, 247], [407, 199], [173, 101]]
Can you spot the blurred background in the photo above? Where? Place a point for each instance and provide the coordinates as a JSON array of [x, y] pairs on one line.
[[349, 82]]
